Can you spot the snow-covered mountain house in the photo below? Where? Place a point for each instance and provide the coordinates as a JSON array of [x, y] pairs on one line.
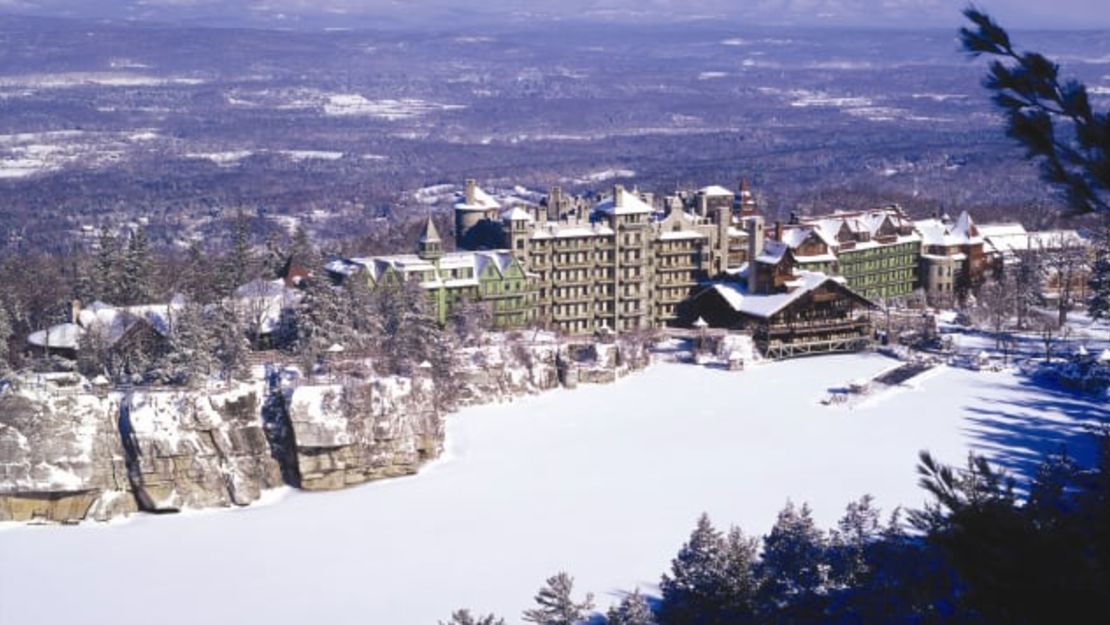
[[123, 330], [452, 278], [789, 311], [953, 257], [614, 261]]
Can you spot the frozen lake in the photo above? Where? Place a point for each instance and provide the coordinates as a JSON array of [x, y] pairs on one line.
[[603, 482]]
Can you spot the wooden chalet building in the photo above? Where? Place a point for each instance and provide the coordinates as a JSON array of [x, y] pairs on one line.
[[811, 314], [789, 311]]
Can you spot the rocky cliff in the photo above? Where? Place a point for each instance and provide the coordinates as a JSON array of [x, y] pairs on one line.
[[70, 451]]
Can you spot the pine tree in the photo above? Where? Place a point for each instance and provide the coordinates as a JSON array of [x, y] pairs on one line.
[[5, 337], [464, 617], [138, 270], [196, 279], [556, 606], [302, 250], [1098, 285], [632, 610], [1051, 117], [230, 342], [856, 530], [274, 256], [1028, 284], [239, 265], [107, 268], [692, 590], [739, 584], [319, 323], [793, 565], [191, 358]]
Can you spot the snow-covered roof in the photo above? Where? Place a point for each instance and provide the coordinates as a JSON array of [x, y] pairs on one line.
[[262, 288], [941, 232], [516, 213], [411, 263], [765, 306], [715, 191], [61, 336], [482, 201], [629, 204]]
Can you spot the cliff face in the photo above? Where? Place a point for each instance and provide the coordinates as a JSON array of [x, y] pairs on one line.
[[60, 457], [191, 450], [353, 433], [69, 453]]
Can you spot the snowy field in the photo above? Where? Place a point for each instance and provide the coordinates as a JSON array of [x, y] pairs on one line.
[[604, 482]]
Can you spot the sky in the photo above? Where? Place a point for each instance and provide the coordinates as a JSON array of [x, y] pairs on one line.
[[1016, 14]]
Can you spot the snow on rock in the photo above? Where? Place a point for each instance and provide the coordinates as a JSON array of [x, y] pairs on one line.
[[69, 453], [351, 433], [188, 449], [60, 453]]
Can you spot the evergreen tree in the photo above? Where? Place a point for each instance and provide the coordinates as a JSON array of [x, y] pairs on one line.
[[556, 606], [229, 338], [302, 250], [359, 315], [274, 256], [464, 617], [1098, 285], [196, 279], [1052, 118], [107, 268], [1028, 285], [191, 357], [692, 590], [740, 584], [239, 266], [856, 530], [138, 270], [319, 323], [5, 337], [632, 610], [793, 566]]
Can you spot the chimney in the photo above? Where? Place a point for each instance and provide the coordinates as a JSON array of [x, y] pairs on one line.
[[703, 205], [778, 231], [755, 240], [471, 185], [74, 311], [555, 204], [618, 195]]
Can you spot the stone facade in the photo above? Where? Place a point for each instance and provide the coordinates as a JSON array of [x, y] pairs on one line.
[[612, 262]]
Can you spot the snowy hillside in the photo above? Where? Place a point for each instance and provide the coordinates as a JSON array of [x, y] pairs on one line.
[[604, 482]]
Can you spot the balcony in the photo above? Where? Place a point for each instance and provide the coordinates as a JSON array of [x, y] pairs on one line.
[[817, 325]]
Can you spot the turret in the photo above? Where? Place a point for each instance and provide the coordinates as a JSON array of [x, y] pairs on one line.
[[430, 246]]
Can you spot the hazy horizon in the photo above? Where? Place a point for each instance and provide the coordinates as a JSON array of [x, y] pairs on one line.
[[893, 14]]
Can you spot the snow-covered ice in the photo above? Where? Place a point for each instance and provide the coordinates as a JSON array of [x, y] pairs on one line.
[[604, 482]]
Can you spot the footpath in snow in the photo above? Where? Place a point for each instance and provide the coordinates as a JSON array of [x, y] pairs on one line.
[[604, 482]]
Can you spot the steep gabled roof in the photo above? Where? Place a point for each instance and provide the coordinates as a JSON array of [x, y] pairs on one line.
[[765, 306], [629, 204]]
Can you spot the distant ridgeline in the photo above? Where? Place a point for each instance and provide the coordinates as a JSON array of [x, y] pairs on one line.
[[623, 261]]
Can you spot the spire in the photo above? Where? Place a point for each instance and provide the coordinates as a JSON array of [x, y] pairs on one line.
[[430, 246], [430, 233]]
